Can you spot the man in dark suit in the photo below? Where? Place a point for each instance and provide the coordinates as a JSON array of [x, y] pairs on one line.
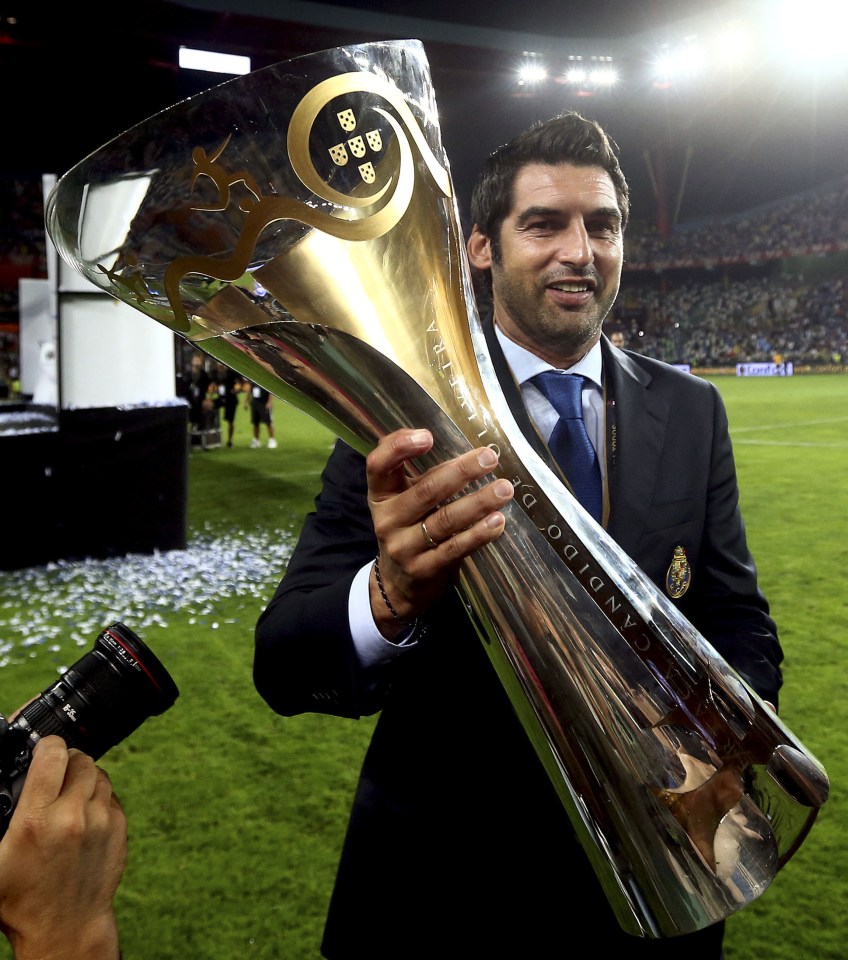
[[458, 845]]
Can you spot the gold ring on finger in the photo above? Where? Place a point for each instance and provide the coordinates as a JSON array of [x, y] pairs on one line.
[[431, 543]]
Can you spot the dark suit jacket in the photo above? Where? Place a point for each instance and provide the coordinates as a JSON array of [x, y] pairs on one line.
[[457, 844]]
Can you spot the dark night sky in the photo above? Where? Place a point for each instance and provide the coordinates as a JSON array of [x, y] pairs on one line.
[[559, 18], [81, 76], [724, 148]]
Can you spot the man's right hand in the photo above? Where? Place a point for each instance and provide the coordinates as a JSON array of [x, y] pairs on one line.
[[425, 525]]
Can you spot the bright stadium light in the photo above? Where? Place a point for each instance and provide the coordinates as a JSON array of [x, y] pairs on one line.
[[532, 72], [667, 69], [192, 59], [588, 73], [682, 63], [733, 45], [815, 41], [603, 77], [584, 74]]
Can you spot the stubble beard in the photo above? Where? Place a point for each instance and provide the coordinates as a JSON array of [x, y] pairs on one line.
[[554, 330]]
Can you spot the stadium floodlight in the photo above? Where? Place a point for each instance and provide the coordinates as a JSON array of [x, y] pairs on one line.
[[681, 63], [588, 72], [664, 69], [818, 39], [193, 59], [603, 77], [532, 71], [732, 45]]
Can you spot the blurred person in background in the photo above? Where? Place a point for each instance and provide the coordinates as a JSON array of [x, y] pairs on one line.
[[201, 405], [229, 386], [260, 402]]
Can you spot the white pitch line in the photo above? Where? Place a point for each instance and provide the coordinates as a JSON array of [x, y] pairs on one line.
[[789, 443], [789, 426]]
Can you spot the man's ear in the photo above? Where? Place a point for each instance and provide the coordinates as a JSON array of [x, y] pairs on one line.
[[479, 249]]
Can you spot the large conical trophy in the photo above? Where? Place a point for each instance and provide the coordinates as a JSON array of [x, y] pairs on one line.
[[299, 224]]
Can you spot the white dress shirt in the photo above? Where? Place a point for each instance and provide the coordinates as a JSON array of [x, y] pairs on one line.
[[371, 646], [526, 365]]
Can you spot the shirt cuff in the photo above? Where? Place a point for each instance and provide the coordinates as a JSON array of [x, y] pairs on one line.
[[371, 646]]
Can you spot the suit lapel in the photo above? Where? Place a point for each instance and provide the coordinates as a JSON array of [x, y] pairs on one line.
[[639, 420], [637, 424], [512, 393]]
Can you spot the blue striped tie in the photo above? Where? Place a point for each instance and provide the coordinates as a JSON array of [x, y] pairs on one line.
[[569, 442]]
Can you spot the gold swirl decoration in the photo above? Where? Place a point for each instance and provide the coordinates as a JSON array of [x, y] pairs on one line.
[[355, 217]]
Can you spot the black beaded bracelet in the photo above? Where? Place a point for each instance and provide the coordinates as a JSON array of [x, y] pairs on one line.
[[385, 596]]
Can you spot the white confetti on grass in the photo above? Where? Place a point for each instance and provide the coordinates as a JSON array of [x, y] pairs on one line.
[[74, 600]]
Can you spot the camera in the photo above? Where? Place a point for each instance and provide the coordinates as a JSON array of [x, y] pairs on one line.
[[95, 704]]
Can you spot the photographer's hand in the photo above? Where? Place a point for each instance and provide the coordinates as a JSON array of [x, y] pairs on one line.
[[62, 858]]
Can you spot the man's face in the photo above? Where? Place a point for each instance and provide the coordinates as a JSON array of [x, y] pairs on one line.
[[559, 260]]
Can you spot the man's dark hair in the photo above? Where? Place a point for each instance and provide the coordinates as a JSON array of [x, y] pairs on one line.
[[566, 138]]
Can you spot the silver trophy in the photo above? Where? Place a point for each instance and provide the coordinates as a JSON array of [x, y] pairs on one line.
[[299, 224]]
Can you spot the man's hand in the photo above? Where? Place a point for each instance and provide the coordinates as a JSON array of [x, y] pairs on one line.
[[62, 858], [423, 525]]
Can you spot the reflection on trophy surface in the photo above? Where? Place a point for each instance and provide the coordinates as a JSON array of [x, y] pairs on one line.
[[299, 225]]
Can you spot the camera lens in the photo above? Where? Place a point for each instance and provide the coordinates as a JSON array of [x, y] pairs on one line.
[[104, 696]]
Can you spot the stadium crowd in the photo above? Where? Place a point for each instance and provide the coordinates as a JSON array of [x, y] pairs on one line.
[[713, 293], [718, 321], [717, 292], [810, 223]]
